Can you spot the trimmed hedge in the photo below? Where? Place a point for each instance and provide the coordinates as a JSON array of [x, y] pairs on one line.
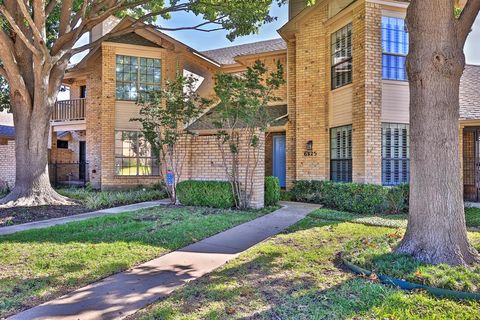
[[353, 197], [272, 191], [214, 194]]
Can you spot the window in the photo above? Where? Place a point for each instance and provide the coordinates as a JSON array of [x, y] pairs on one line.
[[133, 156], [342, 57], [395, 48], [136, 77], [341, 154], [62, 144], [395, 154], [83, 92]]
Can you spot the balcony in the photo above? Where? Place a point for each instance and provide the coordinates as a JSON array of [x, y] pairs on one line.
[[69, 110]]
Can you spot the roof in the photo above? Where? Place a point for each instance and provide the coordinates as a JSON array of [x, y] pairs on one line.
[[7, 132], [133, 39], [469, 93], [206, 122], [227, 55]]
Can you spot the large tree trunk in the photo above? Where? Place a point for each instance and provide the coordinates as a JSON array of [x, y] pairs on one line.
[[436, 231], [32, 183]]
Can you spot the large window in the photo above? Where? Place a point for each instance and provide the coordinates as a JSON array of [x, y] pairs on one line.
[[395, 48], [133, 156], [342, 57], [341, 154], [136, 77], [395, 154]]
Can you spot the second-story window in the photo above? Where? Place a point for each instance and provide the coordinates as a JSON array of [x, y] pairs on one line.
[[395, 48], [136, 77], [342, 57]]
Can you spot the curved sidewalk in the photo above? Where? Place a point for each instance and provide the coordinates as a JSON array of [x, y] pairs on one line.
[[124, 293]]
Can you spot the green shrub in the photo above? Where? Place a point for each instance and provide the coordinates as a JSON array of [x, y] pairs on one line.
[[214, 194], [286, 196], [397, 199], [272, 191], [105, 199], [353, 197]]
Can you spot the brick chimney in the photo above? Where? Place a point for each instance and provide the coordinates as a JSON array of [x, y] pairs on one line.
[[295, 6]]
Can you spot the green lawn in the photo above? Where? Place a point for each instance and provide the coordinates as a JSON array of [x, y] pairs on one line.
[[472, 217], [297, 275], [39, 265]]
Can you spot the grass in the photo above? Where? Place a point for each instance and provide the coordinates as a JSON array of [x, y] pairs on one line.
[[376, 254], [472, 217], [103, 199], [297, 275], [38, 265]]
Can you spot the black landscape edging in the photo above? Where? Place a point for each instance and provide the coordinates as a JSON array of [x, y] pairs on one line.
[[405, 285]]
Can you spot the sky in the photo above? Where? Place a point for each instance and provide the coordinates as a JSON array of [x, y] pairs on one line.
[[205, 41], [211, 40]]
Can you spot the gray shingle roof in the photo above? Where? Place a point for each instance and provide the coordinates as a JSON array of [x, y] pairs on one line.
[[226, 55], [206, 122], [7, 132], [470, 93]]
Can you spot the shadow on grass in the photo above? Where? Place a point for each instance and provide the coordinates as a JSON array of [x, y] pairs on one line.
[[272, 281]]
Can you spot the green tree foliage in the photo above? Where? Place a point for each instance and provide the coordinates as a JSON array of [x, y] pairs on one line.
[[239, 18], [164, 116], [242, 119]]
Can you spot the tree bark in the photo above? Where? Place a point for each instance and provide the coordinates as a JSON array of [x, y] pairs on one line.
[[32, 183], [436, 231]]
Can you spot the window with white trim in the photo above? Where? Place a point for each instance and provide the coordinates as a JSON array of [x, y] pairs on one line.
[[341, 154], [133, 155], [395, 48], [395, 153], [341, 57], [136, 77]]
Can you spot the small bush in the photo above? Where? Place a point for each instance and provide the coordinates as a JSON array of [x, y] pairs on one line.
[[286, 195], [214, 194], [106, 199], [272, 191], [398, 199], [353, 197]]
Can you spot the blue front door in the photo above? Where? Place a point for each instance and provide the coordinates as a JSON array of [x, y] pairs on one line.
[[279, 159]]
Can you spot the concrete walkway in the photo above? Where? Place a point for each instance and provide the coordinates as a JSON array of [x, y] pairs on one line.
[[81, 216], [124, 293]]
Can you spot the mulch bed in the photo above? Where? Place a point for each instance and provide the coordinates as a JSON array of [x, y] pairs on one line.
[[19, 215]]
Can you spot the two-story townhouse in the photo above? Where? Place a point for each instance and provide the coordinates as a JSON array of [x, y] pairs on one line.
[[348, 95], [343, 114], [93, 137]]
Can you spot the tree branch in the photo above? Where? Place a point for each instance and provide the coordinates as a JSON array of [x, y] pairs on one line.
[[33, 26], [18, 31], [65, 14], [466, 19], [3, 73], [50, 6], [12, 71]]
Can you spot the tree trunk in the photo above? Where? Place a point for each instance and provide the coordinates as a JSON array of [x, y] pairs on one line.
[[32, 183], [436, 231]]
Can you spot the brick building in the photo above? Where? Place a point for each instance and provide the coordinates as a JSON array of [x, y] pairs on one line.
[[343, 113]]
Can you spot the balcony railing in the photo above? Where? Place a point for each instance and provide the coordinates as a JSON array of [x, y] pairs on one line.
[[69, 110]]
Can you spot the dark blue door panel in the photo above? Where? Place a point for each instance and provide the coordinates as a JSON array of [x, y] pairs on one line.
[[280, 159]]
